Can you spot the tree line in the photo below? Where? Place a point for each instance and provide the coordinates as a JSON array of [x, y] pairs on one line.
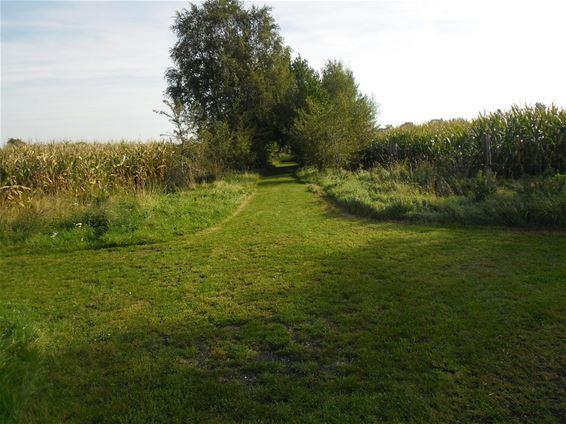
[[235, 94]]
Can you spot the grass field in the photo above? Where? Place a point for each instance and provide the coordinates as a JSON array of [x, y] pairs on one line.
[[422, 195], [290, 312], [124, 217]]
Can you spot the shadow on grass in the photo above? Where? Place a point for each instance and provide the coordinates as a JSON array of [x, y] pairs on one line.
[[455, 326], [282, 168], [280, 174], [266, 182]]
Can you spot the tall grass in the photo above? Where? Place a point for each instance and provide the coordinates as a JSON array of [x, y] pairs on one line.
[[62, 222], [529, 140], [88, 169], [72, 196], [421, 194], [525, 141]]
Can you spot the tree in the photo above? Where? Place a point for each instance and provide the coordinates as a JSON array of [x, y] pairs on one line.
[[190, 150], [305, 83], [15, 142], [226, 149], [230, 67], [337, 121], [181, 119]]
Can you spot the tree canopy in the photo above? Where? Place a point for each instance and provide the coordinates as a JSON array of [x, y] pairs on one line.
[[241, 92], [336, 122], [231, 66]]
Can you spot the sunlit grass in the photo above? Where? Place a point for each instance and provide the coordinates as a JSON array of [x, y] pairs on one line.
[[125, 217], [421, 194], [290, 312]]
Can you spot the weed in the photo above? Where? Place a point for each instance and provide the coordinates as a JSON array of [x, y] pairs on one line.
[[420, 193]]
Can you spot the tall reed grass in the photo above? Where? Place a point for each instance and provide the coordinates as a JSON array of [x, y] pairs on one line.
[[89, 169], [529, 140]]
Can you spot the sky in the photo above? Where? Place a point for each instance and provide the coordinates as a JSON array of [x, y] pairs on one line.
[[93, 70]]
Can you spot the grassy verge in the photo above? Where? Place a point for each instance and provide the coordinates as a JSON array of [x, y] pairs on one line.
[[421, 195], [62, 222], [291, 313]]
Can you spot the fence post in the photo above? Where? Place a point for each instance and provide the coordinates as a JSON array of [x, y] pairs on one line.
[[487, 154], [393, 149]]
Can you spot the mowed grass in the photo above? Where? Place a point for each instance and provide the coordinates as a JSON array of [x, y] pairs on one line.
[[290, 312]]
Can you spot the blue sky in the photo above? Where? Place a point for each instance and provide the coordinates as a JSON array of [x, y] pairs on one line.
[[94, 70]]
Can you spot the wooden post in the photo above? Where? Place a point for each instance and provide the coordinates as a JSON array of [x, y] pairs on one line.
[[393, 149], [487, 155]]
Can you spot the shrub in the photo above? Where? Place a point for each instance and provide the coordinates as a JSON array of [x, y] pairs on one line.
[[336, 123], [98, 220], [483, 186]]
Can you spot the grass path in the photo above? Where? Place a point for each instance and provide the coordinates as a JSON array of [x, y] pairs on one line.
[[290, 312]]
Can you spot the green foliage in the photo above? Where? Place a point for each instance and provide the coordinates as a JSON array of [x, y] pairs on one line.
[[97, 219], [15, 142], [524, 141], [290, 313], [306, 83], [231, 68], [528, 140], [226, 148], [180, 116], [483, 186], [423, 194], [336, 122], [63, 223], [235, 81]]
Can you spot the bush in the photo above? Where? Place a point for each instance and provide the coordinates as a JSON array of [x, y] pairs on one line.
[[483, 186], [98, 220], [336, 123], [226, 149]]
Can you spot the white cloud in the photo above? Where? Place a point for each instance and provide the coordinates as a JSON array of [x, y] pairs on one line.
[[85, 70], [430, 59], [94, 70]]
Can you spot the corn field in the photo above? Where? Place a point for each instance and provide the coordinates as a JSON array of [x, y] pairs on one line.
[[85, 169], [528, 140]]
